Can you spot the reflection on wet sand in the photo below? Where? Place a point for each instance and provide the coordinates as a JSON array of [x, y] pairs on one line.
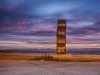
[[14, 67]]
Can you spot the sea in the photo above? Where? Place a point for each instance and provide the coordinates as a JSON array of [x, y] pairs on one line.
[[53, 51]]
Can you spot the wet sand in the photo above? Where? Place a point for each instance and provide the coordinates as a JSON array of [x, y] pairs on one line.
[[15, 67]]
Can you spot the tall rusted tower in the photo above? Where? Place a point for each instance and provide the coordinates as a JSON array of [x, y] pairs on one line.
[[61, 37]]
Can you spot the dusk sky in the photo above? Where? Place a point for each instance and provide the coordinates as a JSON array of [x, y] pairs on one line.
[[29, 24]]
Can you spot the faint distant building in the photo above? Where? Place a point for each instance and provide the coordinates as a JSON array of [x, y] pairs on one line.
[[61, 37]]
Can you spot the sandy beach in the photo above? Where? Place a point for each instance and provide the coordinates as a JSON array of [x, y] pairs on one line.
[[50, 57]]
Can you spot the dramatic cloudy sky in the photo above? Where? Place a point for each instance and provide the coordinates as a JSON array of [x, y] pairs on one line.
[[28, 24]]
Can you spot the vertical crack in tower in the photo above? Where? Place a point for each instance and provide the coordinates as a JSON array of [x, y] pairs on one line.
[[61, 37]]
